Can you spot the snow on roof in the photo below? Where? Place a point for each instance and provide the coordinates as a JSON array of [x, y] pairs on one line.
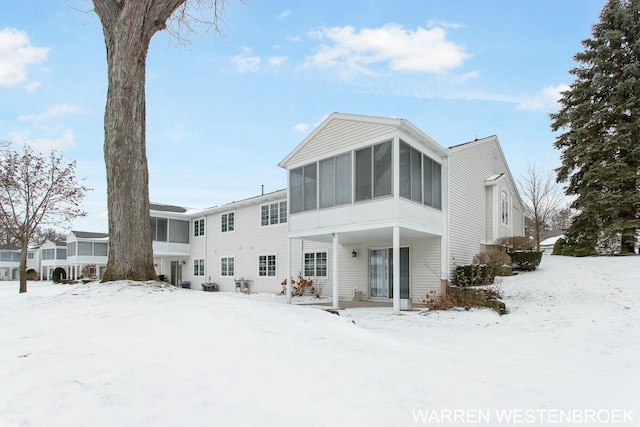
[[89, 235], [550, 241]]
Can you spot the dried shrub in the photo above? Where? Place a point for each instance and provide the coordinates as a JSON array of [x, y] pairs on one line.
[[301, 287], [437, 301]]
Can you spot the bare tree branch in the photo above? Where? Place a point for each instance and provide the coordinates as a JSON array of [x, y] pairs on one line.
[[542, 199], [36, 190]]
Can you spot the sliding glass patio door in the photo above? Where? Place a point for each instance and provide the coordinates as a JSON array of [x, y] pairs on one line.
[[381, 273]]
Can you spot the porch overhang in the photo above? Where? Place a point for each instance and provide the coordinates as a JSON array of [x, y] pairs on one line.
[[364, 235]]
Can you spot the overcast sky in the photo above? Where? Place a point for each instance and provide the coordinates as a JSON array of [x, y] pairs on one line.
[[225, 109]]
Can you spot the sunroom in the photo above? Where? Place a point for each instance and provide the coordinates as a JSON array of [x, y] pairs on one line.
[[375, 189]]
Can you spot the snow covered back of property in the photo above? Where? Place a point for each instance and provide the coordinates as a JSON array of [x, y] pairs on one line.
[[152, 356]]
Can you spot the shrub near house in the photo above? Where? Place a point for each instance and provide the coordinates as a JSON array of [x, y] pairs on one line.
[[521, 249]]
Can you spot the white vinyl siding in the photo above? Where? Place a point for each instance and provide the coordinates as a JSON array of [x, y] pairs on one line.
[[470, 196], [340, 135], [425, 267], [469, 168], [247, 243]]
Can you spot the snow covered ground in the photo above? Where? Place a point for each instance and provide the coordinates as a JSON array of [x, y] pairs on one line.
[[147, 356]]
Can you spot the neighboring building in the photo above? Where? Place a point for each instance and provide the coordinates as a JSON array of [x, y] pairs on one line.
[[53, 254], [171, 244], [9, 262], [549, 238], [33, 259], [87, 254]]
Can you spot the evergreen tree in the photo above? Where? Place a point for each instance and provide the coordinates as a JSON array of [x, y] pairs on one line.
[[600, 123]]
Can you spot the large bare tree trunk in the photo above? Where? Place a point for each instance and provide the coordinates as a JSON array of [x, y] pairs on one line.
[[128, 27]]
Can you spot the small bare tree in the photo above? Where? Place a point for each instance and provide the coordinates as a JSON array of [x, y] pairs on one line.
[[542, 198], [36, 190]]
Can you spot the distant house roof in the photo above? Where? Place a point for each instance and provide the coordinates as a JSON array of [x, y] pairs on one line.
[[550, 241], [89, 235], [9, 247], [166, 208]]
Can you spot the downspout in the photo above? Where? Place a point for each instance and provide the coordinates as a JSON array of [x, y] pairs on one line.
[[206, 247]]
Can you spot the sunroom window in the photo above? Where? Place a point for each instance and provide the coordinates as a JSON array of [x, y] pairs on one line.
[[335, 181], [303, 185], [373, 171]]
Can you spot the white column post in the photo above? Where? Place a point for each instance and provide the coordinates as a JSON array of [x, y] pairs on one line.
[[396, 269], [336, 241]]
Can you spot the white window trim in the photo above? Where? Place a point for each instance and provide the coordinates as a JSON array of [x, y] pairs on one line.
[[201, 230], [315, 263], [280, 221], [234, 222], [234, 266], [198, 261], [505, 208], [267, 271]]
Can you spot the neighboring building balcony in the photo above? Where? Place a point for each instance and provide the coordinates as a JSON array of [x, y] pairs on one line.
[[86, 259], [170, 249]]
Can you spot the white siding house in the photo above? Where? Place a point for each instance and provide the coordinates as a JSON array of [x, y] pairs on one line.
[[87, 254], [170, 229], [376, 190], [484, 201], [52, 255], [9, 262], [395, 210]]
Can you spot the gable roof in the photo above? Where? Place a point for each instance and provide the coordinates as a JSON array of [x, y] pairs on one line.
[[492, 139], [340, 130]]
